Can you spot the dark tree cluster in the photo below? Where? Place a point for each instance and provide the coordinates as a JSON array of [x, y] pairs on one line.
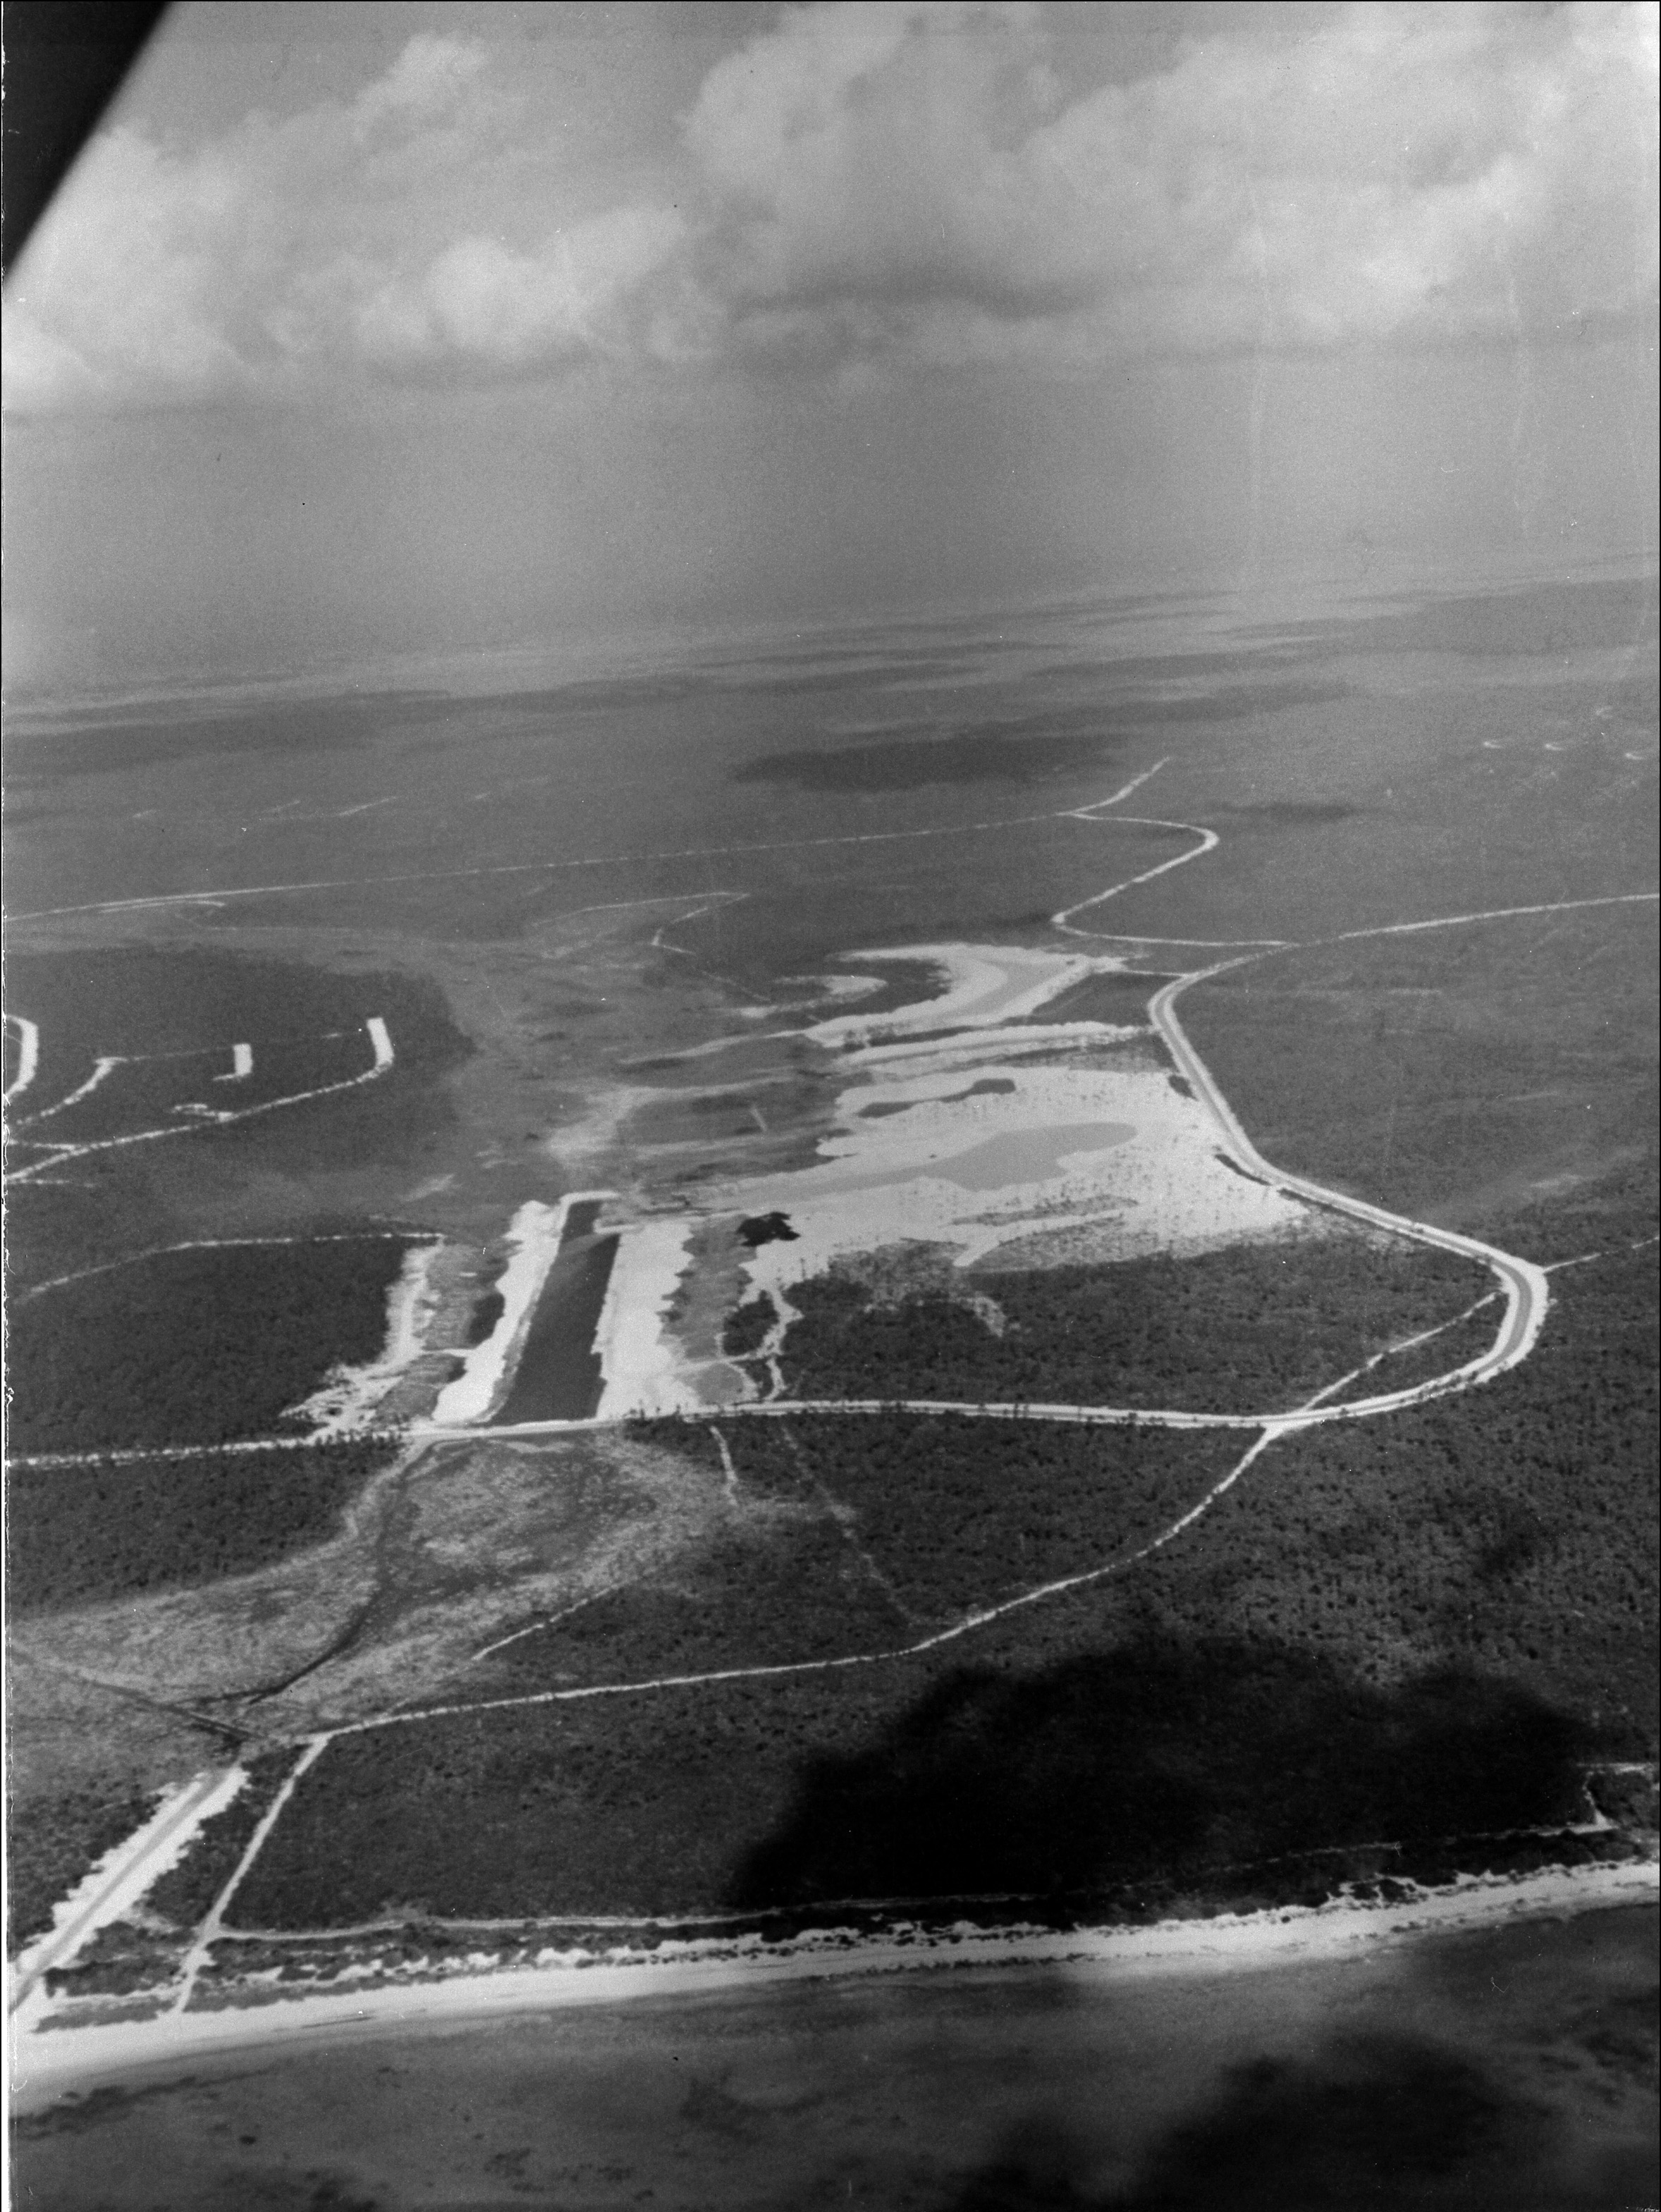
[[177, 1012], [867, 1534], [187, 1891], [805, 1590], [62, 1836], [956, 1513], [1513, 1527], [88, 1536], [198, 1346], [1251, 1328], [748, 1326]]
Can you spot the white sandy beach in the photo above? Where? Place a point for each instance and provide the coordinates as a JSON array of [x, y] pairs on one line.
[[639, 1361], [45, 2062]]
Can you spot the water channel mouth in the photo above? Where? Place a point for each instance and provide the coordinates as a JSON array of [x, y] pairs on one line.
[[559, 1375]]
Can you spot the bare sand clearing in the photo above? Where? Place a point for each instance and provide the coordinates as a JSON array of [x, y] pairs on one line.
[[971, 1141], [1060, 1145], [640, 1361]]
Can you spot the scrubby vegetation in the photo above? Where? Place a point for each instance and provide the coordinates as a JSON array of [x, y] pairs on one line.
[[196, 1347], [957, 1514], [187, 1891], [804, 1591], [1513, 1528], [868, 1534], [174, 1012], [1400, 1633], [147, 1000], [1457, 1067], [88, 1536], [1440, 1354], [63, 1837], [748, 1326], [1246, 1329], [1147, 1774]]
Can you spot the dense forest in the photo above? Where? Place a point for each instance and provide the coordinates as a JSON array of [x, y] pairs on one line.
[[60, 1838], [1513, 1528], [198, 1347], [1250, 1328], [177, 1012], [867, 1533], [1159, 1774], [88, 1536], [188, 1890], [162, 1000]]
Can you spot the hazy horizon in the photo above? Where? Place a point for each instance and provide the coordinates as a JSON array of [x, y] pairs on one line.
[[360, 334]]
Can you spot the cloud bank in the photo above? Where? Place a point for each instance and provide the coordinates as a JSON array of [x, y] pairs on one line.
[[877, 190]]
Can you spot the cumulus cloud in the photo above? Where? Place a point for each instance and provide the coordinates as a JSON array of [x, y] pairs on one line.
[[907, 178], [395, 233], [888, 186]]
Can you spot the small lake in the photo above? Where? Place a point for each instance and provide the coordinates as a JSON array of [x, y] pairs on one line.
[[558, 1377]]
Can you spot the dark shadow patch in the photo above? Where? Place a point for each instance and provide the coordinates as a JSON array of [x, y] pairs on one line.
[[178, 730], [1540, 619], [73, 2113], [910, 763], [1166, 1771], [767, 1228], [988, 1086]]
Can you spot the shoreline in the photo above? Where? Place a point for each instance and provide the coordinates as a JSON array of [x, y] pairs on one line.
[[49, 2063]]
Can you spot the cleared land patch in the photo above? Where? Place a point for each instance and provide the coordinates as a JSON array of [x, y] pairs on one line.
[[455, 1548]]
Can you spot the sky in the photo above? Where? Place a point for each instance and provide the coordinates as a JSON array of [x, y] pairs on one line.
[[369, 331]]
